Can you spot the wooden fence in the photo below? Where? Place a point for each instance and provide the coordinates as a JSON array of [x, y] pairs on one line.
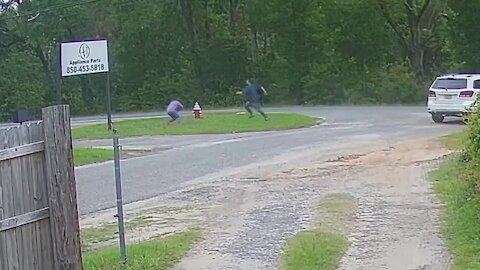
[[39, 226]]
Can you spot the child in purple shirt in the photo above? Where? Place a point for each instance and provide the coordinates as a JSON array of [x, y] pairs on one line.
[[173, 109]]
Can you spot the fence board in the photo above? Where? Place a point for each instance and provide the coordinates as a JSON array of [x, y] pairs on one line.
[[29, 232], [27, 193], [22, 200], [9, 211], [42, 258], [3, 169], [45, 232], [62, 188], [24, 219], [22, 150]]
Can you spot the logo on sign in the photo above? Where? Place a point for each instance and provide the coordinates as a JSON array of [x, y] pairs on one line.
[[84, 51]]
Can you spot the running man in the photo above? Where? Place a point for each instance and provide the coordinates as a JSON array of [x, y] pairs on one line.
[[173, 110], [254, 94]]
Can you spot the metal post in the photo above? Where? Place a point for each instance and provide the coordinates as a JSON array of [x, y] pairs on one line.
[[118, 183], [58, 74], [109, 101]]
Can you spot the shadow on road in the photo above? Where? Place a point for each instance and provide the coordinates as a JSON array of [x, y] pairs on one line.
[[454, 122]]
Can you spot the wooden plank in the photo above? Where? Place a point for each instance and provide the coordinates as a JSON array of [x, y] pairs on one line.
[[3, 237], [23, 190], [18, 221], [15, 210], [19, 195], [37, 169], [28, 246], [8, 178], [45, 240], [65, 229], [21, 151], [28, 201]]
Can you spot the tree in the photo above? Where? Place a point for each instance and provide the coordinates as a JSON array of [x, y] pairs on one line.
[[324, 52], [464, 33], [415, 28]]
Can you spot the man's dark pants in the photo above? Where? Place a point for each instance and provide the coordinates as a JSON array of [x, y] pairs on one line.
[[255, 105]]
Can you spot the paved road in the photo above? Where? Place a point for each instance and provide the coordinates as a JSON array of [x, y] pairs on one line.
[[183, 158], [99, 119]]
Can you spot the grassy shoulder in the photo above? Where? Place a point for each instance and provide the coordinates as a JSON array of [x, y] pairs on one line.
[[323, 246], [461, 206], [210, 124], [456, 141], [88, 155], [157, 254], [84, 156], [461, 214]]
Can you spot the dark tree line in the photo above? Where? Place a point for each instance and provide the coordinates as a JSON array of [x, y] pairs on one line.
[[303, 51]]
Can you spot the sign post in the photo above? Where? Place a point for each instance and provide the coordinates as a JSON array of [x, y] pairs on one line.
[[58, 76], [109, 101], [90, 57]]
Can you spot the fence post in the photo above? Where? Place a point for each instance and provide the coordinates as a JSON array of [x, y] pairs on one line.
[[62, 191]]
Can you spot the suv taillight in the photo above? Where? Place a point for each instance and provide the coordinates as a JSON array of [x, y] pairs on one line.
[[432, 94], [468, 93]]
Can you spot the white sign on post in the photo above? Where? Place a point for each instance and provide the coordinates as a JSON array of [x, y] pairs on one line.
[[84, 57]]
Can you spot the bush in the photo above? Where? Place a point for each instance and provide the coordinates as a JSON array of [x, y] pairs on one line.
[[393, 85]]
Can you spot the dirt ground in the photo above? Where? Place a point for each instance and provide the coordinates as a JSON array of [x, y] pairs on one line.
[[248, 213]]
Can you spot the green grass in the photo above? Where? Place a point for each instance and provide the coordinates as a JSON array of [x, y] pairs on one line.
[[84, 156], [456, 141], [88, 155], [324, 246], [158, 254], [461, 214], [212, 123]]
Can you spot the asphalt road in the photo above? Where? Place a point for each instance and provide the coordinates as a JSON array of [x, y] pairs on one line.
[[98, 119], [183, 158]]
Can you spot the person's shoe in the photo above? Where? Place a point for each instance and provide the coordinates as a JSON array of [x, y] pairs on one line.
[[251, 116]]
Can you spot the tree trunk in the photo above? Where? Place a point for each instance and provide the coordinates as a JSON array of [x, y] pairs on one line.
[[415, 33], [417, 61], [87, 91], [48, 74], [188, 17], [233, 15], [254, 45]]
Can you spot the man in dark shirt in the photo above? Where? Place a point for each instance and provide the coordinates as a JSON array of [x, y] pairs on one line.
[[254, 94]]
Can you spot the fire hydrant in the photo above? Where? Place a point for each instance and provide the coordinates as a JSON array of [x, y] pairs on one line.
[[197, 111]]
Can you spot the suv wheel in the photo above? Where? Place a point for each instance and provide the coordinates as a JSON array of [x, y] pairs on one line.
[[437, 118], [465, 118]]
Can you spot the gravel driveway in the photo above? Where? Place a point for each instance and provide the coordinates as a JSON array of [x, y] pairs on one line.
[[248, 214]]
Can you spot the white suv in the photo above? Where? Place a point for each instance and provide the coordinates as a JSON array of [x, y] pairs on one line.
[[453, 95]]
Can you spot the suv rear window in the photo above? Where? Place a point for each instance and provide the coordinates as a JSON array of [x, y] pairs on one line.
[[450, 83], [476, 84]]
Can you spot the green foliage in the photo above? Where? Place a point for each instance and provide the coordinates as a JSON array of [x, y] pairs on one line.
[[461, 215], [465, 33], [472, 150], [302, 51], [21, 85]]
